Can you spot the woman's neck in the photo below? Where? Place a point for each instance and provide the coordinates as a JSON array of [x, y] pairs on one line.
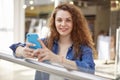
[[64, 44], [65, 40]]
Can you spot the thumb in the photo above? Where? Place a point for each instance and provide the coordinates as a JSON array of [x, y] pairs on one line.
[[42, 44]]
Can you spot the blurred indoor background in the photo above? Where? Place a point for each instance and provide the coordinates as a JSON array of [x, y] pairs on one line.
[[18, 17]]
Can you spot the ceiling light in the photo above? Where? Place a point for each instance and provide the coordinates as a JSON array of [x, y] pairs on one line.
[[71, 2], [32, 8], [24, 6], [115, 5], [31, 2], [117, 2]]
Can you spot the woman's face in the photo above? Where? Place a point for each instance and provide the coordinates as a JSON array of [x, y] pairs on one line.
[[63, 23]]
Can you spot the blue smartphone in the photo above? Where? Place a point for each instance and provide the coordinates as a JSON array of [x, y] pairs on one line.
[[33, 38]]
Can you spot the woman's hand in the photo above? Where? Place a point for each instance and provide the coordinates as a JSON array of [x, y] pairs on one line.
[[25, 51], [45, 54]]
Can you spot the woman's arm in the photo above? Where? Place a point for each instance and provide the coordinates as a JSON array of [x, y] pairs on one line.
[[86, 63], [69, 64]]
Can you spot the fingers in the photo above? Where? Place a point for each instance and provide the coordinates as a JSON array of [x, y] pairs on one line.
[[29, 44], [42, 44], [28, 52], [28, 55], [42, 54], [36, 52], [42, 57]]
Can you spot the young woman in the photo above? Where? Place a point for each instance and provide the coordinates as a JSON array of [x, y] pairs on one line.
[[69, 43]]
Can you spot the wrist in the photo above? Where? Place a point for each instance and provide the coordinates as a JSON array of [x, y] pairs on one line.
[[62, 59], [57, 59]]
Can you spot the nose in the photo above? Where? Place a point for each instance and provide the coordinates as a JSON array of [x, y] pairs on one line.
[[63, 23]]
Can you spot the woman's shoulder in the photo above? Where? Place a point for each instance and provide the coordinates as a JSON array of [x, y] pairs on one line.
[[85, 48]]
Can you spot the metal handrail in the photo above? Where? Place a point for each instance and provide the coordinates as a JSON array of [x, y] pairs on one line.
[[51, 69]]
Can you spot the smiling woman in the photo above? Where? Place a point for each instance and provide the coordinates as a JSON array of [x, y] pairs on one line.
[[63, 23], [69, 44], [103, 18]]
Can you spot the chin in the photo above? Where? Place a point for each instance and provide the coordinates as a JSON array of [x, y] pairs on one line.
[[64, 35]]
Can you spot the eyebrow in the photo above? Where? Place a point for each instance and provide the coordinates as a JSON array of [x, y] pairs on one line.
[[65, 17]]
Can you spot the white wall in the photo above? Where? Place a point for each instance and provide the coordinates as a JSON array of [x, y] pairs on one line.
[[11, 23], [6, 24], [19, 21]]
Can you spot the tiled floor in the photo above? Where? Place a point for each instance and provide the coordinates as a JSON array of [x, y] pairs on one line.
[[11, 71]]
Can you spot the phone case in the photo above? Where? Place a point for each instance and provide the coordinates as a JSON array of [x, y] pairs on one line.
[[33, 38]]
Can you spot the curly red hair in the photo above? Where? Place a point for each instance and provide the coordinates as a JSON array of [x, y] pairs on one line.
[[80, 34]]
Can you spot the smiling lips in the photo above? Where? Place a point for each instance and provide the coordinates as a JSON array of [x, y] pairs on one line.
[[63, 29]]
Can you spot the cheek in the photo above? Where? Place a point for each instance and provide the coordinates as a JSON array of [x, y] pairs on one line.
[[71, 26], [57, 25], [71, 29]]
